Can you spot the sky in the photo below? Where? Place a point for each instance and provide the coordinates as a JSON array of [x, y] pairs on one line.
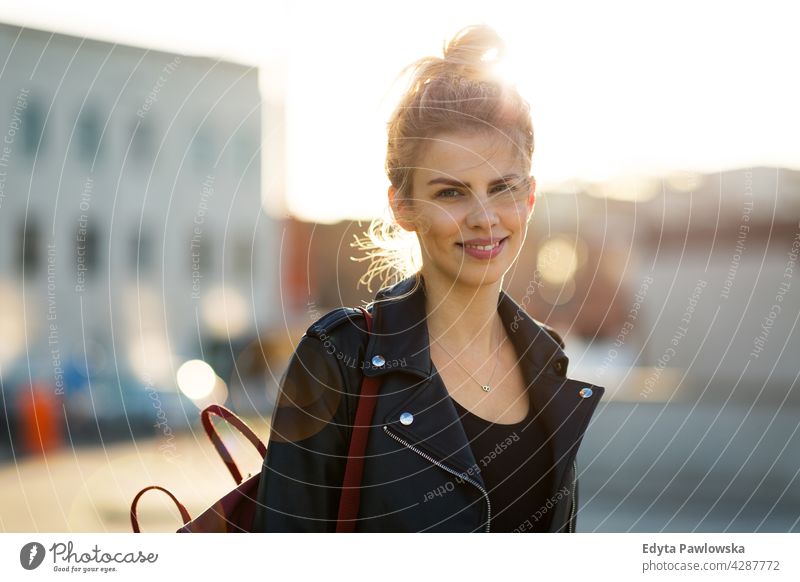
[[617, 89]]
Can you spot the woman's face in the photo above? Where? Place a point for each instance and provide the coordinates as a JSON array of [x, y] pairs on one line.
[[470, 206]]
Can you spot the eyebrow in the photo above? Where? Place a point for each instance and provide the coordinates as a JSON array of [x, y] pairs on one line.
[[452, 182]]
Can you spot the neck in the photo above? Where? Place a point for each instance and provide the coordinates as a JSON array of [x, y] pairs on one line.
[[462, 317]]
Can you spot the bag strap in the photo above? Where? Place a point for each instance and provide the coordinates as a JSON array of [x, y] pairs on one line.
[[354, 470], [134, 518], [211, 431]]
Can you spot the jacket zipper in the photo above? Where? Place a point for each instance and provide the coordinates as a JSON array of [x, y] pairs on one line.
[[462, 476], [571, 528]]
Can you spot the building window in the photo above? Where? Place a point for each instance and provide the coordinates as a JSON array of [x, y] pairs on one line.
[[86, 251], [203, 149], [141, 252], [143, 139], [242, 258], [32, 126], [28, 247], [88, 132], [244, 149], [200, 250]]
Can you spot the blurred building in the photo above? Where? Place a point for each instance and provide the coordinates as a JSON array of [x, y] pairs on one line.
[[133, 237], [722, 252]]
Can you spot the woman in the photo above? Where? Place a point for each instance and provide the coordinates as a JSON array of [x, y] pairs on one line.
[[476, 425]]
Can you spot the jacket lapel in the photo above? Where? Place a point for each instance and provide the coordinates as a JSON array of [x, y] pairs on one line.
[[400, 340], [563, 408], [435, 427], [565, 414]]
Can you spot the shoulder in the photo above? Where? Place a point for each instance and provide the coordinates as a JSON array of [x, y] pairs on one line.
[[335, 320], [328, 348]]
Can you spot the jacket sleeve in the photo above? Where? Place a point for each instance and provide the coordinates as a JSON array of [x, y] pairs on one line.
[[303, 469]]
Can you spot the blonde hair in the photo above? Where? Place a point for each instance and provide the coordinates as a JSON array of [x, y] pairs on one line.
[[457, 93]]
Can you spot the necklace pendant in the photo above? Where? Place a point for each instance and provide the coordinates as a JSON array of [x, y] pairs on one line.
[[486, 387]]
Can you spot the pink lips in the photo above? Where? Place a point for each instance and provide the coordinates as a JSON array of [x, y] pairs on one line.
[[479, 253]]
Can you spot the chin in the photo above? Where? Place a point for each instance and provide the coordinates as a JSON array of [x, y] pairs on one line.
[[479, 276]]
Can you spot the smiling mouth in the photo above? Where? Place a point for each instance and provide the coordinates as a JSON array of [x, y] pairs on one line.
[[482, 247]]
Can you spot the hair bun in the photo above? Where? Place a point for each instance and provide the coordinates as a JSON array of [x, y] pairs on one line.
[[475, 46]]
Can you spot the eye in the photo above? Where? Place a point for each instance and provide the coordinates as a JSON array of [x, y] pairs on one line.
[[515, 189], [507, 187], [443, 193]]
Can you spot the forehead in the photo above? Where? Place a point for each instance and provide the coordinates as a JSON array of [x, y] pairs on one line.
[[488, 153]]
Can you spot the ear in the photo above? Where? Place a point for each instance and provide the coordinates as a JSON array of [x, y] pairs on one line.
[[531, 196], [400, 210]]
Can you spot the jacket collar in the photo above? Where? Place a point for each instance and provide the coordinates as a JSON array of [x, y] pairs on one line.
[[400, 337], [400, 332]]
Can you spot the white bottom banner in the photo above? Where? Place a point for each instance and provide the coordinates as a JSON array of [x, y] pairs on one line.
[[614, 556]]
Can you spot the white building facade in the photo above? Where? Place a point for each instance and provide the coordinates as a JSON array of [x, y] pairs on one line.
[[131, 218]]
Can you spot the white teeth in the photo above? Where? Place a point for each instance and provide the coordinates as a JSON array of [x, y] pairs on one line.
[[483, 247]]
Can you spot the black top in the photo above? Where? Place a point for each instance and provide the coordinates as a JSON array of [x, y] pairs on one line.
[[514, 461]]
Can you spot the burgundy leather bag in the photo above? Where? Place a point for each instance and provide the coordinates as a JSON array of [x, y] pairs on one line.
[[235, 511]]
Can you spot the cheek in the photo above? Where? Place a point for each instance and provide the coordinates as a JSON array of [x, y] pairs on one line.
[[442, 225], [516, 218]]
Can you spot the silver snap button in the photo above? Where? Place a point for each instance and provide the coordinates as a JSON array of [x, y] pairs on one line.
[[378, 361], [585, 392], [406, 418]]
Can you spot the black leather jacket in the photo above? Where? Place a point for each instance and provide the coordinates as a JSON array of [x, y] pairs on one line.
[[419, 475]]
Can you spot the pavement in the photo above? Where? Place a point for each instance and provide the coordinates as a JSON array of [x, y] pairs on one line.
[[90, 489]]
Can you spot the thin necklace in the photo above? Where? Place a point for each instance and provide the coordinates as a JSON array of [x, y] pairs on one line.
[[486, 387]]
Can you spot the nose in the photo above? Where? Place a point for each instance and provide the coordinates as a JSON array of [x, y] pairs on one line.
[[482, 213]]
